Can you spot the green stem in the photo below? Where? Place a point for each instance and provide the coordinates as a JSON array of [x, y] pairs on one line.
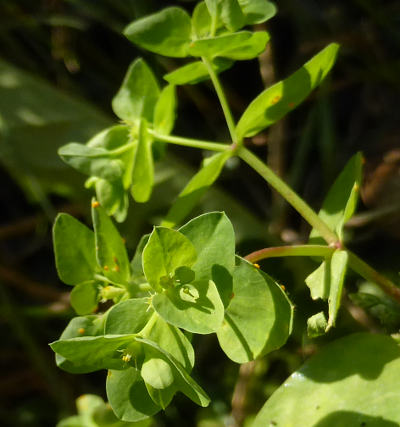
[[222, 99], [370, 274], [107, 280], [296, 250], [291, 197], [189, 142], [122, 149]]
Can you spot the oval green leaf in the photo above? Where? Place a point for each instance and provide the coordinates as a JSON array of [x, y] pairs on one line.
[[196, 188], [137, 95], [143, 167], [128, 396], [74, 250], [196, 72], [165, 111], [84, 297], [200, 310], [341, 200], [128, 317], [352, 381], [110, 248], [167, 32], [257, 11], [165, 251], [259, 317], [216, 46], [276, 101]]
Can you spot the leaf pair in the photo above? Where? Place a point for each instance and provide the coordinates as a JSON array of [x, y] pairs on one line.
[[172, 32], [190, 271], [326, 282], [82, 255], [150, 360], [120, 158]]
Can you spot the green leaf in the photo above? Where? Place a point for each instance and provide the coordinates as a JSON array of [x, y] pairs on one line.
[[138, 94], [128, 317], [165, 251], [196, 307], [156, 371], [92, 161], [183, 381], [110, 248], [143, 169], [166, 32], [91, 325], [201, 21], [74, 249], [279, 99], [214, 240], [113, 198], [196, 188], [104, 416], [338, 272], [232, 15], [352, 381], [84, 297], [128, 396], [317, 325], [257, 11], [217, 46], [196, 72], [341, 200], [118, 142], [259, 317], [171, 339], [95, 352], [250, 48], [165, 111], [326, 282], [161, 397]]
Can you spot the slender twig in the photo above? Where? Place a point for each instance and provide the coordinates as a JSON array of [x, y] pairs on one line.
[[240, 392], [291, 196], [189, 142], [222, 99], [296, 250]]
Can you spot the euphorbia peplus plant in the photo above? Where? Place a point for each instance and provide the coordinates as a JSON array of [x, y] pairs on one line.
[[189, 280]]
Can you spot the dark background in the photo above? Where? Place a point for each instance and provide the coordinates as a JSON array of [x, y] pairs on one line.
[[61, 62]]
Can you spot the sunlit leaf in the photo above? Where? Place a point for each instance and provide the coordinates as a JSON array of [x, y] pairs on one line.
[[143, 168], [196, 188], [341, 200], [165, 251], [352, 381], [258, 318], [165, 111], [276, 101], [84, 297], [167, 32], [110, 248], [138, 93], [196, 307], [196, 72], [74, 249]]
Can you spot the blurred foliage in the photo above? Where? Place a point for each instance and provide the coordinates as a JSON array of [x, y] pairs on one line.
[[61, 63]]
